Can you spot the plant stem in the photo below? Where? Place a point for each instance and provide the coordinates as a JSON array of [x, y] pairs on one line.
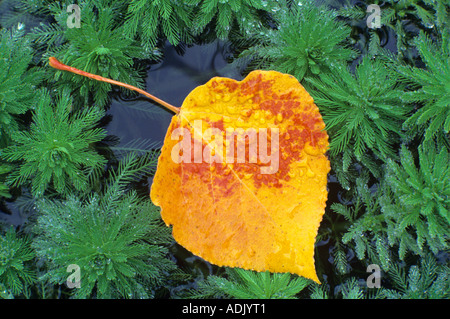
[[61, 66]]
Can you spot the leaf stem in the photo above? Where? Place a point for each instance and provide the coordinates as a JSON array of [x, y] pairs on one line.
[[54, 63]]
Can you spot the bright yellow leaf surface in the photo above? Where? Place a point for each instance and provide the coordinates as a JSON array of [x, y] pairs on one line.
[[256, 210]]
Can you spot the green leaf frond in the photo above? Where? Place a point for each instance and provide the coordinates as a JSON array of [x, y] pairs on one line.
[[17, 83], [4, 189], [424, 279], [429, 280], [99, 46], [149, 20], [348, 288], [116, 239], [16, 275], [407, 211], [243, 15], [137, 146], [308, 39], [362, 112], [417, 199], [432, 93], [397, 16], [57, 150], [130, 168], [247, 284], [364, 229]]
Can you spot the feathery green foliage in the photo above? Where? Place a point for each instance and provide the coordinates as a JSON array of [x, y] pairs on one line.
[[116, 239], [226, 14], [308, 40], [152, 20], [418, 199], [247, 284], [16, 253], [364, 229], [432, 88], [4, 189], [362, 112], [17, 84], [57, 149], [430, 280], [398, 16], [408, 210], [99, 46], [350, 288], [180, 21]]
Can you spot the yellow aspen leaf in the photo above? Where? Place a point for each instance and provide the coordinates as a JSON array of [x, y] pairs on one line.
[[232, 213]]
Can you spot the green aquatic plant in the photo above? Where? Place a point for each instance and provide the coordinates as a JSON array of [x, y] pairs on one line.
[[429, 280], [116, 239], [57, 150], [425, 279], [348, 289], [406, 212], [431, 88], [247, 284], [417, 200], [363, 112], [308, 40], [226, 14], [153, 20], [180, 21], [426, 14], [17, 83], [4, 189], [398, 16], [364, 229], [16, 273], [98, 46]]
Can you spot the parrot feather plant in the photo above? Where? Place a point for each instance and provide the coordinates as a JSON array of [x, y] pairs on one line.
[[99, 46], [57, 152], [16, 271], [17, 84], [115, 238], [306, 41]]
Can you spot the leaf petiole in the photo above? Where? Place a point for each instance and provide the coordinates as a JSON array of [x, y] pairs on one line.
[[54, 63]]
